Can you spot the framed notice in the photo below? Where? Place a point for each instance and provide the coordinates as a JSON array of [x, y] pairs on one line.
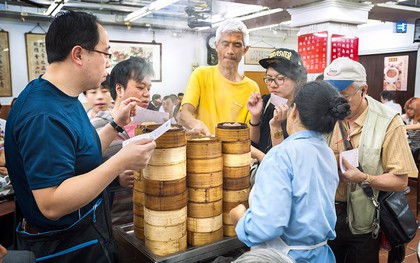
[[152, 52], [36, 55], [313, 50], [5, 73], [395, 73], [254, 54], [344, 46]]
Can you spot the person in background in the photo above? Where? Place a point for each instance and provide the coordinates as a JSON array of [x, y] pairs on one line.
[[178, 105], [285, 74], [412, 111], [155, 103], [54, 155], [168, 105], [129, 78], [384, 158], [292, 202], [219, 93], [99, 99], [387, 98], [2, 125]]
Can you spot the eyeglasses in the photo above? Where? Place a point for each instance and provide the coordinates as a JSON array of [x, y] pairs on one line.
[[278, 80], [107, 55], [349, 98]]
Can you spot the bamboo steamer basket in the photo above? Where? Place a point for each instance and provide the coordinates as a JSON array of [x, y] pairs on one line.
[[236, 183], [236, 147], [236, 195], [175, 137], [204, 165], [138, 197], [205, 195], [232, 131], [138, 210], [168, 156], [209, 224], [138, 219], [204, 238], [229, 230], [165, 233], [138, 182], [165, 188], [204, 180], [204, 210], [165, 218], [236, 160], [236, 172], [204, 148], [166, 203], [139, 232], [164, 248], [165, 172]]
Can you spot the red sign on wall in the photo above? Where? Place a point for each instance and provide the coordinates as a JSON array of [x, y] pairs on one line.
[[344, 46], [313, 49]]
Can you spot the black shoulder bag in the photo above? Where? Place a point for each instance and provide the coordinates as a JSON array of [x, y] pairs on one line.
[[395, 217]]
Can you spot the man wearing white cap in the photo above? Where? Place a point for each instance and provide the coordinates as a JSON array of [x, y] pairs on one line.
[[384, 158]]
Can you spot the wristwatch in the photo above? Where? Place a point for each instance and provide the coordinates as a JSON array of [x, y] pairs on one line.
[[277, 134], [116, 126]]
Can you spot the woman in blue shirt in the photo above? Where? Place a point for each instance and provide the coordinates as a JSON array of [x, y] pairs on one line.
[[292, 202]]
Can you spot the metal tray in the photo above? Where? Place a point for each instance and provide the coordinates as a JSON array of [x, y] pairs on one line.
[[132, 249]]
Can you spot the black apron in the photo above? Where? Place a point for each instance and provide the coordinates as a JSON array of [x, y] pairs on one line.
[[88, 240]]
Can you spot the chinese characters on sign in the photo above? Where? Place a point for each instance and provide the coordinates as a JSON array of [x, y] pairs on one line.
[[313, 49], [36, 55], [344, 46], [254, 54], [5, 75], [395, 73]]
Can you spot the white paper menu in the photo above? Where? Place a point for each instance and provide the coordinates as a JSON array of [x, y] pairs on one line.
[[152, 135], [352, 156]]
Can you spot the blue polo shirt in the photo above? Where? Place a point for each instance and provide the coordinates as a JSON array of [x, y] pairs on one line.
[[49, 139]]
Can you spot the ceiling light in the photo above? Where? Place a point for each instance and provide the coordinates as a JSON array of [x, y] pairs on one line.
[[261, 13], [264, 12], [262, 27], [55, 7], [156, 5]]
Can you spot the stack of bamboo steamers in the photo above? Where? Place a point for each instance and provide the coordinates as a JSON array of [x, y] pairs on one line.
[[236, 149], [189, 186]]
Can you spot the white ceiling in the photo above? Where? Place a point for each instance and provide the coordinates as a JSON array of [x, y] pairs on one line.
[[180, 15]]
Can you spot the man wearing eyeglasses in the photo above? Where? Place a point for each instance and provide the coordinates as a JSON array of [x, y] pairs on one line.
[[219, 93], [385, 162], [54, 154]]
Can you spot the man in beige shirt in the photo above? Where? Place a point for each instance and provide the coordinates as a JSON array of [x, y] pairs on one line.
[[386, 162]]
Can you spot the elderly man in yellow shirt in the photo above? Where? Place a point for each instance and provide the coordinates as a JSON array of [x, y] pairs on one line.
[[219, 93]]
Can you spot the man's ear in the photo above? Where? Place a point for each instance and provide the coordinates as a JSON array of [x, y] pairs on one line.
[[119, 89]]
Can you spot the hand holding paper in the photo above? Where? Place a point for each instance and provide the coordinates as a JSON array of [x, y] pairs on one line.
[[351, 156], [277, 100], [153, 135]]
